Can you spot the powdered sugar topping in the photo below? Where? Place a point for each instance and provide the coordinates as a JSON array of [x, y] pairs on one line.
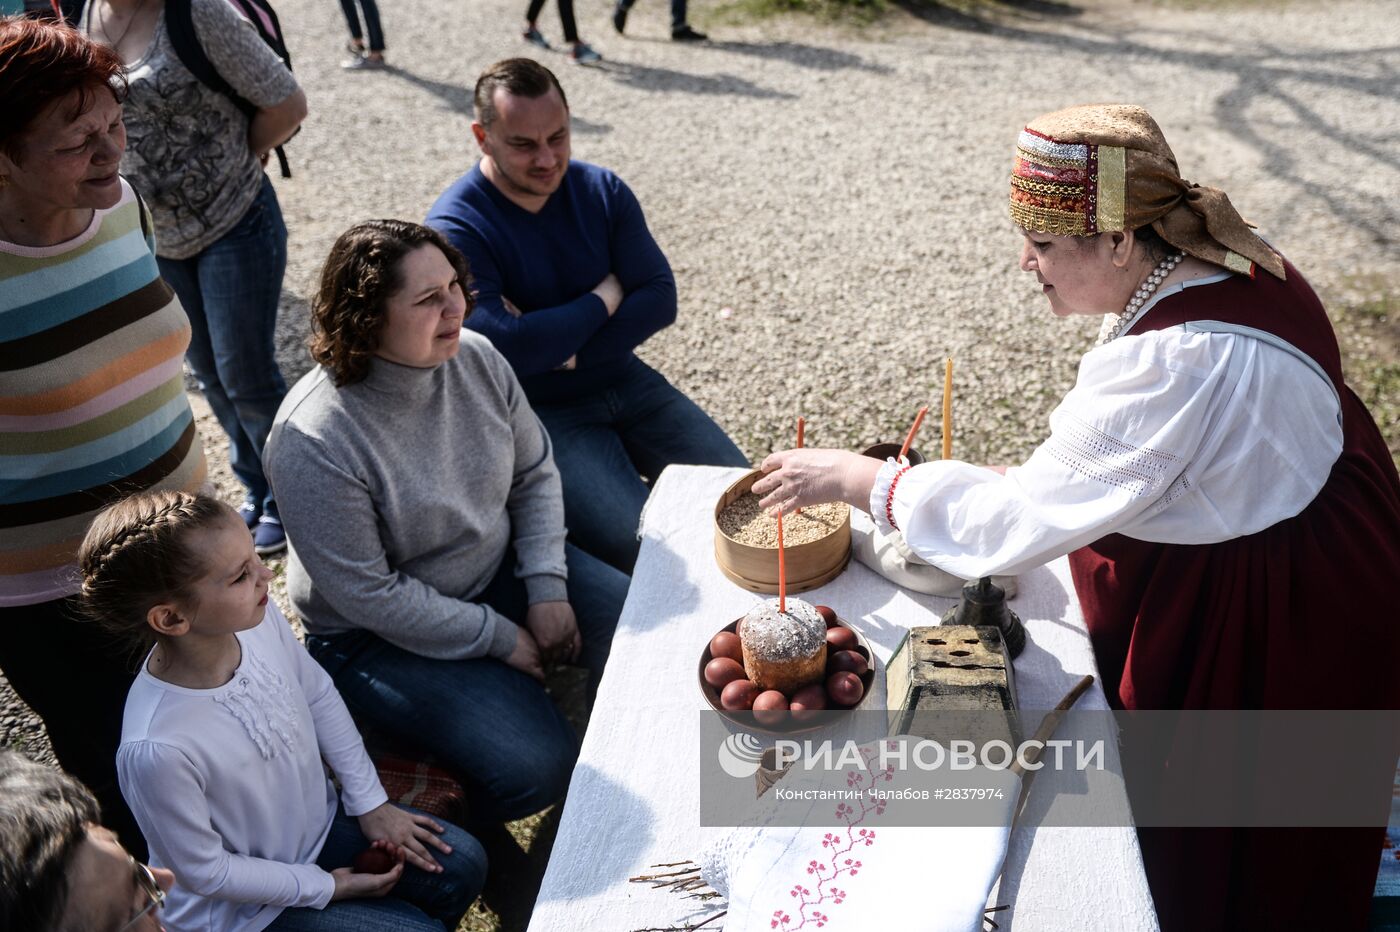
[[774, 635]]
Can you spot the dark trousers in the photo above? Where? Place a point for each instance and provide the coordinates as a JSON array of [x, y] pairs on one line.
[[352, 19], [566, 17], [677, 11], [76, 679]]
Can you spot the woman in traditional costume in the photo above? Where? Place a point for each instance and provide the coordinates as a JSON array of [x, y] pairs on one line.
[[1223, 495]]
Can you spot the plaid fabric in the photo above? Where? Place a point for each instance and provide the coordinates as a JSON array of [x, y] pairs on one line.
[[422, 784]]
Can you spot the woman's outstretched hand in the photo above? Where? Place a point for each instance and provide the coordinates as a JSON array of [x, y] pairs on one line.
[[799, 478]]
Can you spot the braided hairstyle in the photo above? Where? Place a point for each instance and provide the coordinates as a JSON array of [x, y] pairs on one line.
[[137, 554]]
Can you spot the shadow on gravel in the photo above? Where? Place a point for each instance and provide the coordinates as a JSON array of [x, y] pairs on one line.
[[459, 98], [804, 56], [1265, 78], [985, 15], [664, 80]]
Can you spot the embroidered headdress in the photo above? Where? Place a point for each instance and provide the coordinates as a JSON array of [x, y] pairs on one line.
[[1107, 167]]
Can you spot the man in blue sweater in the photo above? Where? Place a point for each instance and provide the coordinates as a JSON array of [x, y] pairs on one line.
[[569, 282]]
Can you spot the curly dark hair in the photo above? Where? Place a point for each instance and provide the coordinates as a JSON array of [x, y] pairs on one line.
[[364, 268]]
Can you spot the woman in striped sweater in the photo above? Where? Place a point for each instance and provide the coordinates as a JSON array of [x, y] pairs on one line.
[[92, 401]]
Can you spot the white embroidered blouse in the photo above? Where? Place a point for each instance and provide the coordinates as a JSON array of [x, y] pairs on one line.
[[229, 785], [1185, 435]]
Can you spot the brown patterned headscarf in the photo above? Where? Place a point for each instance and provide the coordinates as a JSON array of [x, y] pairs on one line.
[[1107, 167]]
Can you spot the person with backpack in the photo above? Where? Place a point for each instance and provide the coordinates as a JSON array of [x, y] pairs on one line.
[[210, 99]]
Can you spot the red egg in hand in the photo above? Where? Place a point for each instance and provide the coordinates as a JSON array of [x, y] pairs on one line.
[[770, 707], [373, 861], [841, 638], [722, 671], [828, 614], [845, 688], [727, 644], [738, 696], [807, 702], [848, 661]]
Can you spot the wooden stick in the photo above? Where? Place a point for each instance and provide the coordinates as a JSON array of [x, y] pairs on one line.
[[948, 408], [1050, 722], [914, 429]]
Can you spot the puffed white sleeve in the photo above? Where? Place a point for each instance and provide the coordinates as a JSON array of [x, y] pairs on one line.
[[337, 738], [1118, 441], [166, 794]]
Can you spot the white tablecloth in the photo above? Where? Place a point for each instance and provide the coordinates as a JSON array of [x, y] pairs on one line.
[[634, 798]]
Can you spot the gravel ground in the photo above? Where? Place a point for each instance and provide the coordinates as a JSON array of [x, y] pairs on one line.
[[843, 192]]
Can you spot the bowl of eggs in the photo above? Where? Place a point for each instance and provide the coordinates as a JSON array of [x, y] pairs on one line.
[[784, 671]]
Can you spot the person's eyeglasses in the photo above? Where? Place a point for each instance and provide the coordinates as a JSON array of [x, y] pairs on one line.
[[147, 884]]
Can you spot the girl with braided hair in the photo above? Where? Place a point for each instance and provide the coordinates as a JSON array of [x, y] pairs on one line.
[[228, 731]]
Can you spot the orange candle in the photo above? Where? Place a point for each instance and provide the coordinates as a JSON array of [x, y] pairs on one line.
[[801, 426], [782, 567], [948, 409], [913, 429]]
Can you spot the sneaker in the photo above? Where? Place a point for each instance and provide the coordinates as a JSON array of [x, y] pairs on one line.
[[362, 63], [535, 37], [687, 34], [268, 536], [620, 18], [585, 54], [250, 511]]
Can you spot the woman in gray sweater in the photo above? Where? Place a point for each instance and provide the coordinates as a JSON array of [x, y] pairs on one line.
[[427, 524]]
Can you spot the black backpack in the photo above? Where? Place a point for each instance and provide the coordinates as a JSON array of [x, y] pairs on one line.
[[179, 23]]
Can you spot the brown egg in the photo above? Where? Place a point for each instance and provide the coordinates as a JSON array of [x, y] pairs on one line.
[[845, 688], [373, 861], [847, 660], [807, 702], [727, 644], [722, 671], [738, 696], [841, 638], [770, 707], [828, 614]]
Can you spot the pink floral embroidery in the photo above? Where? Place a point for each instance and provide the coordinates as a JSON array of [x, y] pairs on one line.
[[835, 862]]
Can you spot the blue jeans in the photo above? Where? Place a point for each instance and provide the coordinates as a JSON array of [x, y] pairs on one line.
[[419, 901], [230, 292], [640, 424], [494, 727]]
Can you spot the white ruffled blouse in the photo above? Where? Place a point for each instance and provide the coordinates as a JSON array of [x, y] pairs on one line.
[[1189, 435], [229, 785]]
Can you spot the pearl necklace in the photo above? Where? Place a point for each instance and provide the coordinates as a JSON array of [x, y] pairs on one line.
[[1114, 323]]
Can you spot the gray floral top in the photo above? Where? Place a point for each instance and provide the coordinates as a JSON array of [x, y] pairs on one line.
[[187, 146]]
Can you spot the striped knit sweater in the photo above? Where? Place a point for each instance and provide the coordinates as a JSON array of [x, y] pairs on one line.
[[92, 400]]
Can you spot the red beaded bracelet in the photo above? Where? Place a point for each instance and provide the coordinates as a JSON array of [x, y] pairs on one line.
[[889, 499]]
